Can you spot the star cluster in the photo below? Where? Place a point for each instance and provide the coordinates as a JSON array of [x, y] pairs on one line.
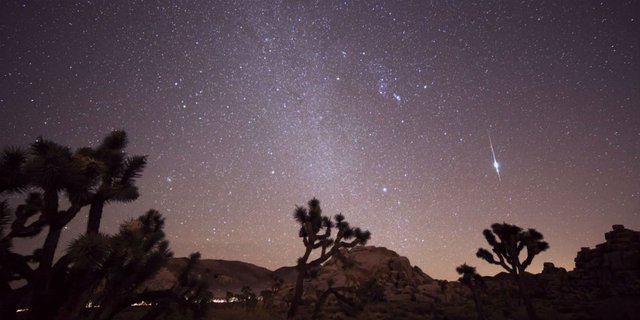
[[381, 109]]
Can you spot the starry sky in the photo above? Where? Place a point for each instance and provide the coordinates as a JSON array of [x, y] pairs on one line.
[[380, 109]]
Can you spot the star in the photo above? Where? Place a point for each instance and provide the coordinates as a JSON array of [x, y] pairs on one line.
[[378, 111]]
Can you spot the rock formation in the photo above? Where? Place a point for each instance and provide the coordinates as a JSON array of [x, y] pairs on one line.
[[614, 264], [362, 265]]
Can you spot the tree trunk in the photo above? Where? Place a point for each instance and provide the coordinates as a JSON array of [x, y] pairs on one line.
[[525, 297], [40, 305], [50, 245], [8, 305], [39, 285], [49, 249], [476, 299], [297, 295], [320, 303], [95, 215]]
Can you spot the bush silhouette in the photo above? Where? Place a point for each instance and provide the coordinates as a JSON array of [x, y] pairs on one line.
[[471, 279]]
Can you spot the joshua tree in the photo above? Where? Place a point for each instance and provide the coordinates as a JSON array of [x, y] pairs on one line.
[[137, 252], [110, 271], [48, 169], [117, 175], [315, 231], [116, 264], [510, 243], [473, 281], [12, 177], [53, 168]]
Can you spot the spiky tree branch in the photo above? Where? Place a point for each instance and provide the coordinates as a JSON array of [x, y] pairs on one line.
[[117, 173]]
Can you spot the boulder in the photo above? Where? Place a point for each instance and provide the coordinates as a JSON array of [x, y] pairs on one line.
[[363, 264], [550, 268]]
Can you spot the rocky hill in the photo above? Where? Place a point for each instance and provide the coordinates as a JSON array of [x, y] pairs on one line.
[[366, 265]]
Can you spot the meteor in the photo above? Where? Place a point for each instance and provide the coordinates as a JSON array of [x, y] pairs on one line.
[[496, 164]]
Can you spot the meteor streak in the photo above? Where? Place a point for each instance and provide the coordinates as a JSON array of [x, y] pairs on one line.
[[496, 165]]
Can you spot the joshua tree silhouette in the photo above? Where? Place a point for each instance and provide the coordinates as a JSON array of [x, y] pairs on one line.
[[315, 231], [56, 176], [471, 279], [507, 247], [47, 169]]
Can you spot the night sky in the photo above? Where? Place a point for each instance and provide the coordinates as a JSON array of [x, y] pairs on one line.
[[382, 110]]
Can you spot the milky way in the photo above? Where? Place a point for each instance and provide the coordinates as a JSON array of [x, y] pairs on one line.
[[379, 109]]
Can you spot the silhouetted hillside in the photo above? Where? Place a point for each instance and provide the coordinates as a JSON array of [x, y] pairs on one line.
[[221, 275], [288, 274], [604, 285]]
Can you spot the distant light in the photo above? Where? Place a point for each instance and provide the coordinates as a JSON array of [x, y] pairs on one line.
[[142, 304], [384, 189]]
